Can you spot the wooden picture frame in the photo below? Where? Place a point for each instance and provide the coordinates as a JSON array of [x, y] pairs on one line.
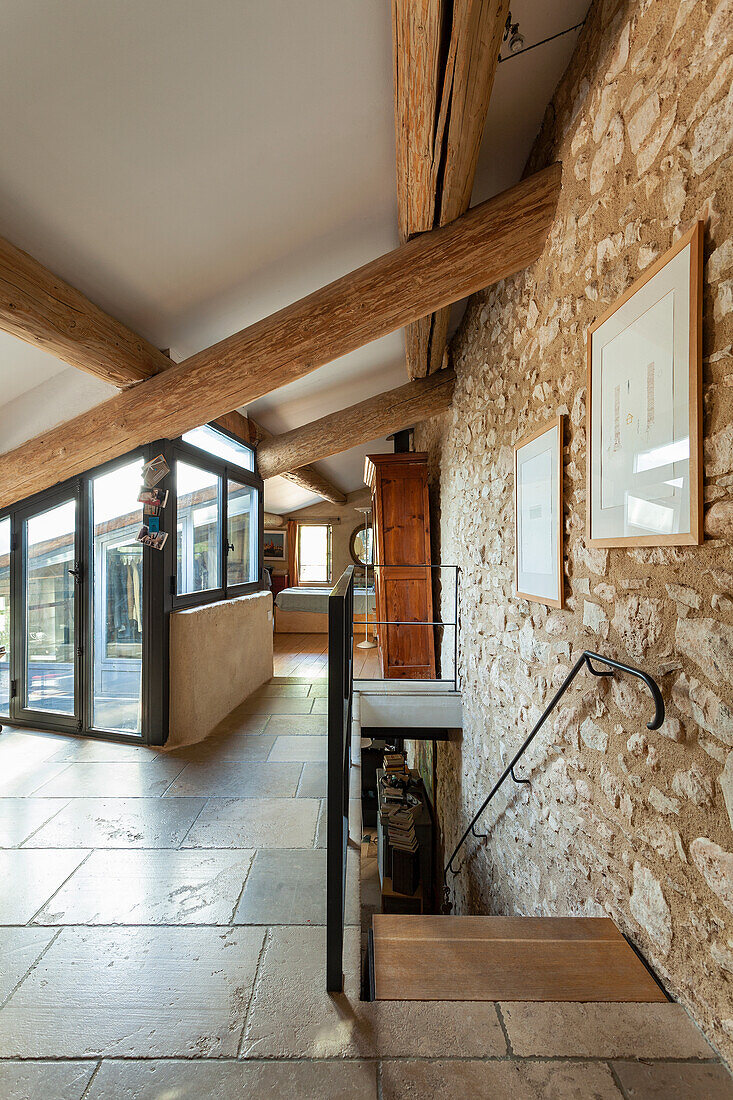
[[540, 545], [649, 497]]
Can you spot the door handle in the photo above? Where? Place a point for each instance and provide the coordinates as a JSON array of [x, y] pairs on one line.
[[76, 572]]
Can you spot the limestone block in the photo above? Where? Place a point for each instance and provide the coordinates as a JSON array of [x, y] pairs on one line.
[[649, 907], [694, 785], [661, 802], [638, 621], [709, 644], [593, 736], [725, 779], [701, 704], [716, 867]]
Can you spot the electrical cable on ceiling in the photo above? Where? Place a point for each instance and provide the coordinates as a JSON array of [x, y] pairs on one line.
[[542, 43]]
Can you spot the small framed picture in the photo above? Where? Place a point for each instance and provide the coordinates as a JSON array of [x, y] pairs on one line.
[[645, 407], [274, 546], [538, 522]]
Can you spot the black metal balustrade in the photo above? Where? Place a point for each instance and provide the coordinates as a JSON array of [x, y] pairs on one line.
[[340, 690], [583, 661]]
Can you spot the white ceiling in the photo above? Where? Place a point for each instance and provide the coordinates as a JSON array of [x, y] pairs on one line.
[[193, 165]]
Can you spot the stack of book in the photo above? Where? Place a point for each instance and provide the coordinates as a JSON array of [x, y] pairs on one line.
[[404, 844], [395, 763]]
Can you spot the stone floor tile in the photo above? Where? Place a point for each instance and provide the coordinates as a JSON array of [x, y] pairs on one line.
[[481, 1080], [320, 706], [255, 823], [289, 887], [19, 949], [24, 747], [134, 992], [237, 779], [44, 1080], [603, 1030], [354, 822], [30, 877], [151, 887], [319, 689], [277, 704], [93, 751], [282, 691], [292, 1015], [235, 1080], [297, 726], [674, 1081], [118, 823], [25, 778], [314, 780], [231, 746], [305, 748], [19, 817], [106, 780]]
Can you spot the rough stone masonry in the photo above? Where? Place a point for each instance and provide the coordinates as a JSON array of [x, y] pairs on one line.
[[617, 820]]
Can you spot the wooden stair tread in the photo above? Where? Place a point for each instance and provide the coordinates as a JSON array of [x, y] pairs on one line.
[[507, 959]]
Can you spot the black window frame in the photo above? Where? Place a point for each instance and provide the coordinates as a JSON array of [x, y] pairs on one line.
[[225, 471], [159, 599]]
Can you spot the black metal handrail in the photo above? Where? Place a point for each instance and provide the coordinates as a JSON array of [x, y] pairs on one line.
[[340, 691], [584, 660]]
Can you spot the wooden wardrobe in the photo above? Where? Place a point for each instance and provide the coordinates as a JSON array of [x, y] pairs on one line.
[[403, 581]]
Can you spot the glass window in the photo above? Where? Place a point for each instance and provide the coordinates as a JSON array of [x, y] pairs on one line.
[[199, 529], [223, 446], [118, 600], [5, 616], [242, 526], [314, 554], [50, 612]]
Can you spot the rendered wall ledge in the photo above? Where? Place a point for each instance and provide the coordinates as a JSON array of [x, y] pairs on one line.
[[219, 655]]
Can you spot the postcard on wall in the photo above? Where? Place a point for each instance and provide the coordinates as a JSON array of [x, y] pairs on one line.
[[149, 538], [644, 393], [274, 545], [538, 515], [156, 498], [154, 471]]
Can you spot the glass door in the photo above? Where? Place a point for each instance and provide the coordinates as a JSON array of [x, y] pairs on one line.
[[51, 584]]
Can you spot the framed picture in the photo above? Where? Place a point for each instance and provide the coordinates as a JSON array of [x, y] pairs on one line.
[[538, 515], [274, 546], [645, 407]]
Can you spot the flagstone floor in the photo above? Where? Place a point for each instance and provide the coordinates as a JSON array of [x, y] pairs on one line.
[[162, 931]]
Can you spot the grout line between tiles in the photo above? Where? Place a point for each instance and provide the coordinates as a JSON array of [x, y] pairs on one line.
[[260, 957], [206, 801], [61, 885], [43, 824], [241, 892], [32, 967], [91, 1080], [503, 1027], [616, 1080]]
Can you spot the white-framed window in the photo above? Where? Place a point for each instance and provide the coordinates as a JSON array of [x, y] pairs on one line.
[[314, 553]]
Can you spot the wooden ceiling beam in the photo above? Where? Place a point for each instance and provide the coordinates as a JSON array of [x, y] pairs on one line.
[[41, 309], [307, 477], [488, 243], [378, 416], [445, 57]]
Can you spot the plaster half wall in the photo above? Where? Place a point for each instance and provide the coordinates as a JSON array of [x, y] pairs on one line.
[[219, 655], [618, 820]]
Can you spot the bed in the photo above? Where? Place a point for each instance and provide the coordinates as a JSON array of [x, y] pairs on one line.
[[305, 610]]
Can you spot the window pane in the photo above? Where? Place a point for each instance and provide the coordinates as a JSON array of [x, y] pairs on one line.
[[216, 443], [118, 600], [313, 554], [50, 613], [4, 616], [199, 529], [242, 557]]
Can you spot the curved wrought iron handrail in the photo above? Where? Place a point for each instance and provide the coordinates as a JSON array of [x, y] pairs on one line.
[[584, 660]]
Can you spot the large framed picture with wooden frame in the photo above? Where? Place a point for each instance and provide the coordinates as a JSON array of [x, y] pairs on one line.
[[538, 522], [645, 407]]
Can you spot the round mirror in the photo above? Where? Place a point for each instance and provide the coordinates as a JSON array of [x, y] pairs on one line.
[[361, 545]]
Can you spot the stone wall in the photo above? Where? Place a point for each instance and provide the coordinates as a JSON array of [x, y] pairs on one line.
[[617, 820]]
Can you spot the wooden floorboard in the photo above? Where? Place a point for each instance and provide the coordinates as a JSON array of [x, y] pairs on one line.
[[507, 959]]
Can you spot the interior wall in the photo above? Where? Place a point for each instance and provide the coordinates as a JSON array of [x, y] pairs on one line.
[[617, 820], [348, 520]]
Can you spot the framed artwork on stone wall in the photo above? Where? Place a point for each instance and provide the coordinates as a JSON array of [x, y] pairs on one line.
[[538, 557], [645, 407]]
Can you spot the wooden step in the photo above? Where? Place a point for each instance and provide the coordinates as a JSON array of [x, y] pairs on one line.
[[434, 958]]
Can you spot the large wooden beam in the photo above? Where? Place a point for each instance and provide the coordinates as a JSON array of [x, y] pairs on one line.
[[445, 58], [378, 416], [488, 243], [43, 310], [307, 477]]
